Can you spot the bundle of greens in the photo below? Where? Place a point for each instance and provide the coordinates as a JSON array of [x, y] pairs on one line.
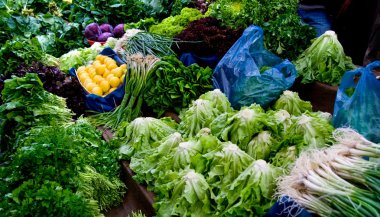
[[240, 127], [173, 86], [27, 104], [191, 196], [49, 174], [140, 69], [251, 192], [136, 41], [173, 25], [138, 135], [337, 180], [57, 82], [205, 37], [292, 103], [324, 60], [79, 57], [286, 35], [226, 165]]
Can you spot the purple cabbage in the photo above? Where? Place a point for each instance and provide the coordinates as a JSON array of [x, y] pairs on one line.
[[118, 31], [106, 28], [104, 36], [92, 31]]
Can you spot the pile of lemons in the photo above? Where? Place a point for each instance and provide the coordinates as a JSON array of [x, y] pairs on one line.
[[102, 76]]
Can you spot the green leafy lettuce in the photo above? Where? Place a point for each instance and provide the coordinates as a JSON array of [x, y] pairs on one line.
[[250, 194], [324, 60], [291, 102], [191, 196], [260, 146], [140, 134]]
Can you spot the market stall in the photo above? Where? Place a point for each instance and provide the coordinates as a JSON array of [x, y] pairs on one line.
[[182, 108]]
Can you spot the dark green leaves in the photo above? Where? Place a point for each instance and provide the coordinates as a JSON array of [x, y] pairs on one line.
[[173, 86]]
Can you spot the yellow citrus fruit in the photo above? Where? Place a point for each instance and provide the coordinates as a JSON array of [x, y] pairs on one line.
[[109, 77], [105, 86], [96, 63], [83, 76], [81, 68], [123, 66], [114, 82], [106, 73], [122, 78], [89, 86], [91, 73], [111, 66], [87, 81], [100, 80], [100, 58], [100, 69], [118, 72], [97, 78], [97, 91]]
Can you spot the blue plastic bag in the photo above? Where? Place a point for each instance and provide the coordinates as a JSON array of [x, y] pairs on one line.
[[361, 111], [285, 207], [238, 73], [110, 101], [189, 58]]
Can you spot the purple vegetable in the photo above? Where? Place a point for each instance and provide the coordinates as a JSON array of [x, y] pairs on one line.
[[106, 28], [92, 31], [118, 31], [104, 36]]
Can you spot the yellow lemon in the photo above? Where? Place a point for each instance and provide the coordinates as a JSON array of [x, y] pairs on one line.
[[97, 91], [114, 82], [89, 86], [100, 80], [109, 77], [81, 68], [123, 66], [100, 69], [97, 79], [87, 81], [100, 58], [105, 86], [118, 72], [111, 66], [91, 73], [109, 60], [83, 76], [96, 63]]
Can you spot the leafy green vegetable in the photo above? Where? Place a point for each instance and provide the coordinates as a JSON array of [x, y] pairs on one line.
[[27, 104], [173, 86], [140, 134], [240, 127], [145, 165], [191, 196], [200, 115], [226, 164], [173, 25], [261, 145], [286, 35], [251, 192], [98, 187], [218, 99], [291, 102], [324, 60], [79, 57]]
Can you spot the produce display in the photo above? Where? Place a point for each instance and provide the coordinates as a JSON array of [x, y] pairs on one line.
[[337, 180], [94, 91], [324, 60], [102, 76]]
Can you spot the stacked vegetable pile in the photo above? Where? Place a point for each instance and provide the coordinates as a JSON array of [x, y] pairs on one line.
[[101, 33], [217, 161], [286, 35], [49, 164], [337, 180], [324, 60]]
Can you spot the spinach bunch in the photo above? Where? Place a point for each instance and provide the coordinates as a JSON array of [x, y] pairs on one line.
[[173, 85]]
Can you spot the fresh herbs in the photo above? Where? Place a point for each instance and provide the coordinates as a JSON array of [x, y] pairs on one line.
[[173, 86]]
